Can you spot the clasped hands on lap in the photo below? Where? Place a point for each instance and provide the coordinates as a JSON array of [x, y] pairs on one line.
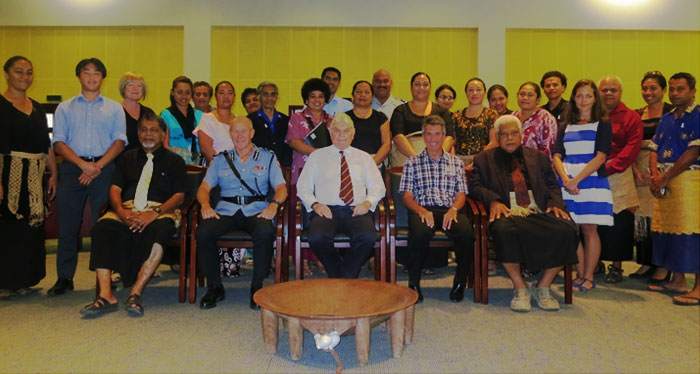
[[137, 221], [498, 210]]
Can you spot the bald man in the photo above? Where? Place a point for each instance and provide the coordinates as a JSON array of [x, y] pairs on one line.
[[383, 101], [245, 175]]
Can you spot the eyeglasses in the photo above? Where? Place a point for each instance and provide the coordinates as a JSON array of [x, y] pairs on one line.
[[446, 97]]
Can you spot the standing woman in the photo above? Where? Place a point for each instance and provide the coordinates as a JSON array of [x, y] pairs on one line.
[[445, 96], [25, 150], [132, 87], [474, 130], [497, 96], [182, 119], [539, 126], [372, 133], [250, 100], [653, 91], [580, 151], [315, 93], [407, 119], [213, 129]]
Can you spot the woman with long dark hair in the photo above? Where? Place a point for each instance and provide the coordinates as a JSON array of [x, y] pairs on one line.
[[182, 119]]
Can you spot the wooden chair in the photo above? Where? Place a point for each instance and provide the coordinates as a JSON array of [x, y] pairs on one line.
[[398, 232], [487, 243], [195, 174], [342, 241], [239, 239]]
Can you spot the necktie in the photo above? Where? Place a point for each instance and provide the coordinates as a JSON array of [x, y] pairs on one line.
[[141, 197], [522, 197], [345, 181]]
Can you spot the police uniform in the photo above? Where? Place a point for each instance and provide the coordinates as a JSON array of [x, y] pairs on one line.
[[238, 209]]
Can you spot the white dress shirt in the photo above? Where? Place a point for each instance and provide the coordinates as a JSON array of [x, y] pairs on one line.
[[389, 105], [320, 179]]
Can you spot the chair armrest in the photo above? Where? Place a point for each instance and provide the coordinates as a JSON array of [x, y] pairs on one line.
[[281, 218], [391, 217]]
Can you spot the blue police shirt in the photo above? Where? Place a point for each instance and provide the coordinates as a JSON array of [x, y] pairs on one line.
[[260, 171]]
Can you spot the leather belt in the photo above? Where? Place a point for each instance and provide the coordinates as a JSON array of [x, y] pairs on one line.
[[242, 200], [91, 159]]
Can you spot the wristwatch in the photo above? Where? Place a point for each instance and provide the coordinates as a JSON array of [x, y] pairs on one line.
[[455, 209], [279, 203]]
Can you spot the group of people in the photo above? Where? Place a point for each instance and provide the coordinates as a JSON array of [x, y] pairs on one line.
[[568, 182]]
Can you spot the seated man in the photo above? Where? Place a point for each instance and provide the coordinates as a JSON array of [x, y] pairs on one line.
[[245, 175], [434, 190], [340, 185], [517, 183], [147, 188]]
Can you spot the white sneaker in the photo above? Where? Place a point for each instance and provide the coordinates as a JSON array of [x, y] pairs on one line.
[[521, 300], [543, 296]]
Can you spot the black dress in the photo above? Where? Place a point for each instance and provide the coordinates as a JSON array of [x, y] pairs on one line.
[[368, 136], [132, 127], [22, 249]]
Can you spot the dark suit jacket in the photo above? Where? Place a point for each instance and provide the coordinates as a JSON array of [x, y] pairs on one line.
[[488, 183], [264, 138]]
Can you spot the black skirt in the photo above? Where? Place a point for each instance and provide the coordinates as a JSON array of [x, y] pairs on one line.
[[115, 247], [617, 241], [539, 241], [22, 254]]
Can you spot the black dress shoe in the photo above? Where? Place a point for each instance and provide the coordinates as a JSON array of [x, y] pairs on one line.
[[62, 285], [646, 274], [213, 295], [253, 305], [417, 289], [457, 291]]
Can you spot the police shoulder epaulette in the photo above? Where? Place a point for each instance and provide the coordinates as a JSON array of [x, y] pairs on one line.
[[256, 155]]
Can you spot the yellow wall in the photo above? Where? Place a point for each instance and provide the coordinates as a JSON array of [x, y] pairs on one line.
[[155, 52], [290, 55], [595, 53]]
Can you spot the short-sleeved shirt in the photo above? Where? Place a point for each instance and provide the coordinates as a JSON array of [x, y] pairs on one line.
[[675, 135], [405, 122], [217, 131], [337, 105], [89, 128], [389, 105], [433, 183], [472, 133], [558, 111], [539, 131], [297, 130], [169, 174], [368, 136], [603, 142], [261, 172]]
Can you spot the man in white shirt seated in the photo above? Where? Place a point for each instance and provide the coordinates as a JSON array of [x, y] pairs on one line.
[[335, 104], [340, 187]]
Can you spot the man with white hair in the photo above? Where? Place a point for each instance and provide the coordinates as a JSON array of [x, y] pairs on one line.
[[617, 241], [527, 215], [340, 186]]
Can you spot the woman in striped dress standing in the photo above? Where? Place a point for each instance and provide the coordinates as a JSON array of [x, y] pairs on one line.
[[579, 155]]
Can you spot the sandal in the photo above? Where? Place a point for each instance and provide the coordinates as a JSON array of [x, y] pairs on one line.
[[684, 300], [577, 282], [306, 266], [583, 287], [133, 305], [428, 271], [664, 288], [99, 306]]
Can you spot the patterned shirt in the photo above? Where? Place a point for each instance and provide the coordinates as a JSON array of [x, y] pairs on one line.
[[472, 133], [675, 135], [539, 131], [433, 183]]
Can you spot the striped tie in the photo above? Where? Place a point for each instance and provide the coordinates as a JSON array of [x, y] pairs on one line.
[[141, 197], [345, 181]]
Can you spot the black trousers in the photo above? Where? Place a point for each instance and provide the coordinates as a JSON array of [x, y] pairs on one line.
[[71, 197], [617, 241], [419, 236], [362, 235], [116, 247], [262, 232]]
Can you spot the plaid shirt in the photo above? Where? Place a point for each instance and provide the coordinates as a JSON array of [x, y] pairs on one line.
[[433, 183]]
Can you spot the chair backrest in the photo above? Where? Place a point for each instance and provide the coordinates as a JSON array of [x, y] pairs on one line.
[[195, 175], [399, 207]]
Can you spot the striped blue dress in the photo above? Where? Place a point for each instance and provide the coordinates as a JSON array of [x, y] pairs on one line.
[[593, 203]]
